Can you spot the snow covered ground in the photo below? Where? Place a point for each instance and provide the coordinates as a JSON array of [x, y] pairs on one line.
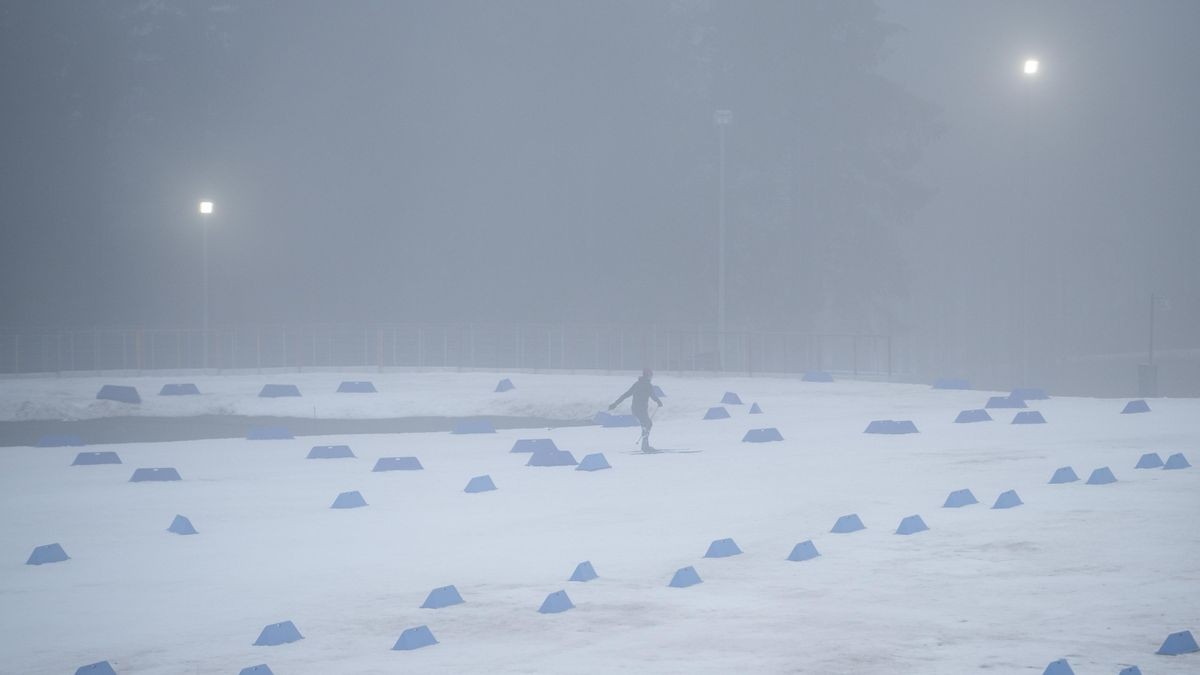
[[1098, 574]]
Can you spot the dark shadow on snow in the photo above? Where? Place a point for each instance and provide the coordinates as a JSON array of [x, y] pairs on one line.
[[157, 429]]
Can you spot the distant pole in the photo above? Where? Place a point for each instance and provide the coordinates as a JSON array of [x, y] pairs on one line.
[[722, 118], [1030, 70], [204, 328], [206, 209], [1148, 372], [1153, 301]]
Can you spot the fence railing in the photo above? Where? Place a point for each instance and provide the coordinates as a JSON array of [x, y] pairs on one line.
[[516, 346]]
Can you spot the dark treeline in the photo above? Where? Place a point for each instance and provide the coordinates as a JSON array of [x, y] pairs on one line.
[[387, 161], [547, 160]]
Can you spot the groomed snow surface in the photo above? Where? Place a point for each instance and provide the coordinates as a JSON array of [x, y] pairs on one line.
[[1096, 574]]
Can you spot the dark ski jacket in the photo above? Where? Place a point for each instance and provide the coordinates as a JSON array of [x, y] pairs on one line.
[[641, 391]]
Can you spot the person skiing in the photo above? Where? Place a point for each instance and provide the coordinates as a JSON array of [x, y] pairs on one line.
[[641, 392]]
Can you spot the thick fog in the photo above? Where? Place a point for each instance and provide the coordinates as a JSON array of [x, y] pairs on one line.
[[889, 170]]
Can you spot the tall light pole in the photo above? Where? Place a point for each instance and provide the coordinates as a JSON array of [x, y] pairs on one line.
[[206, 209], [1030, 71], [1148, 372], [722, 118]]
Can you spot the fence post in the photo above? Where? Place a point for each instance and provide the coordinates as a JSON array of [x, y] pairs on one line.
[[679, 353], [749, 351], [696, 349], [854, 352], [654, 365], [889, 356]]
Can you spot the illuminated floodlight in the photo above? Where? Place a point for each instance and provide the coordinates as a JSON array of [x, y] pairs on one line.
[[206, 208], [1031, 66]]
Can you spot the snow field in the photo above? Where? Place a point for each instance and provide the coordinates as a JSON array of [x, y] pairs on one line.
[[1096, 574]]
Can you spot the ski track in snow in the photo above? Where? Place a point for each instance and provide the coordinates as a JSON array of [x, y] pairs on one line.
[[1095, 574]]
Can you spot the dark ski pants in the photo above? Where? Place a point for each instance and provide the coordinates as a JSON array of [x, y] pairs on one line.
[[643, 416]]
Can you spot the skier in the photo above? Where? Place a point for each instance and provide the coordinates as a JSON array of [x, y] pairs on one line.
[[641, 391]]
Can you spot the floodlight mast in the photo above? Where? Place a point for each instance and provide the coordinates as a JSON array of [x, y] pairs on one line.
[[722, 118], [206, 210], [1030, 70]]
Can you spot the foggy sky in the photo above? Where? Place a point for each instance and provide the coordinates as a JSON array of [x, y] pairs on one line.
[[889, 169], [1105, 143]]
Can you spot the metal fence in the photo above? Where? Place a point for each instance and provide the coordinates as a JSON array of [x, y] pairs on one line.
[[484, 346]]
